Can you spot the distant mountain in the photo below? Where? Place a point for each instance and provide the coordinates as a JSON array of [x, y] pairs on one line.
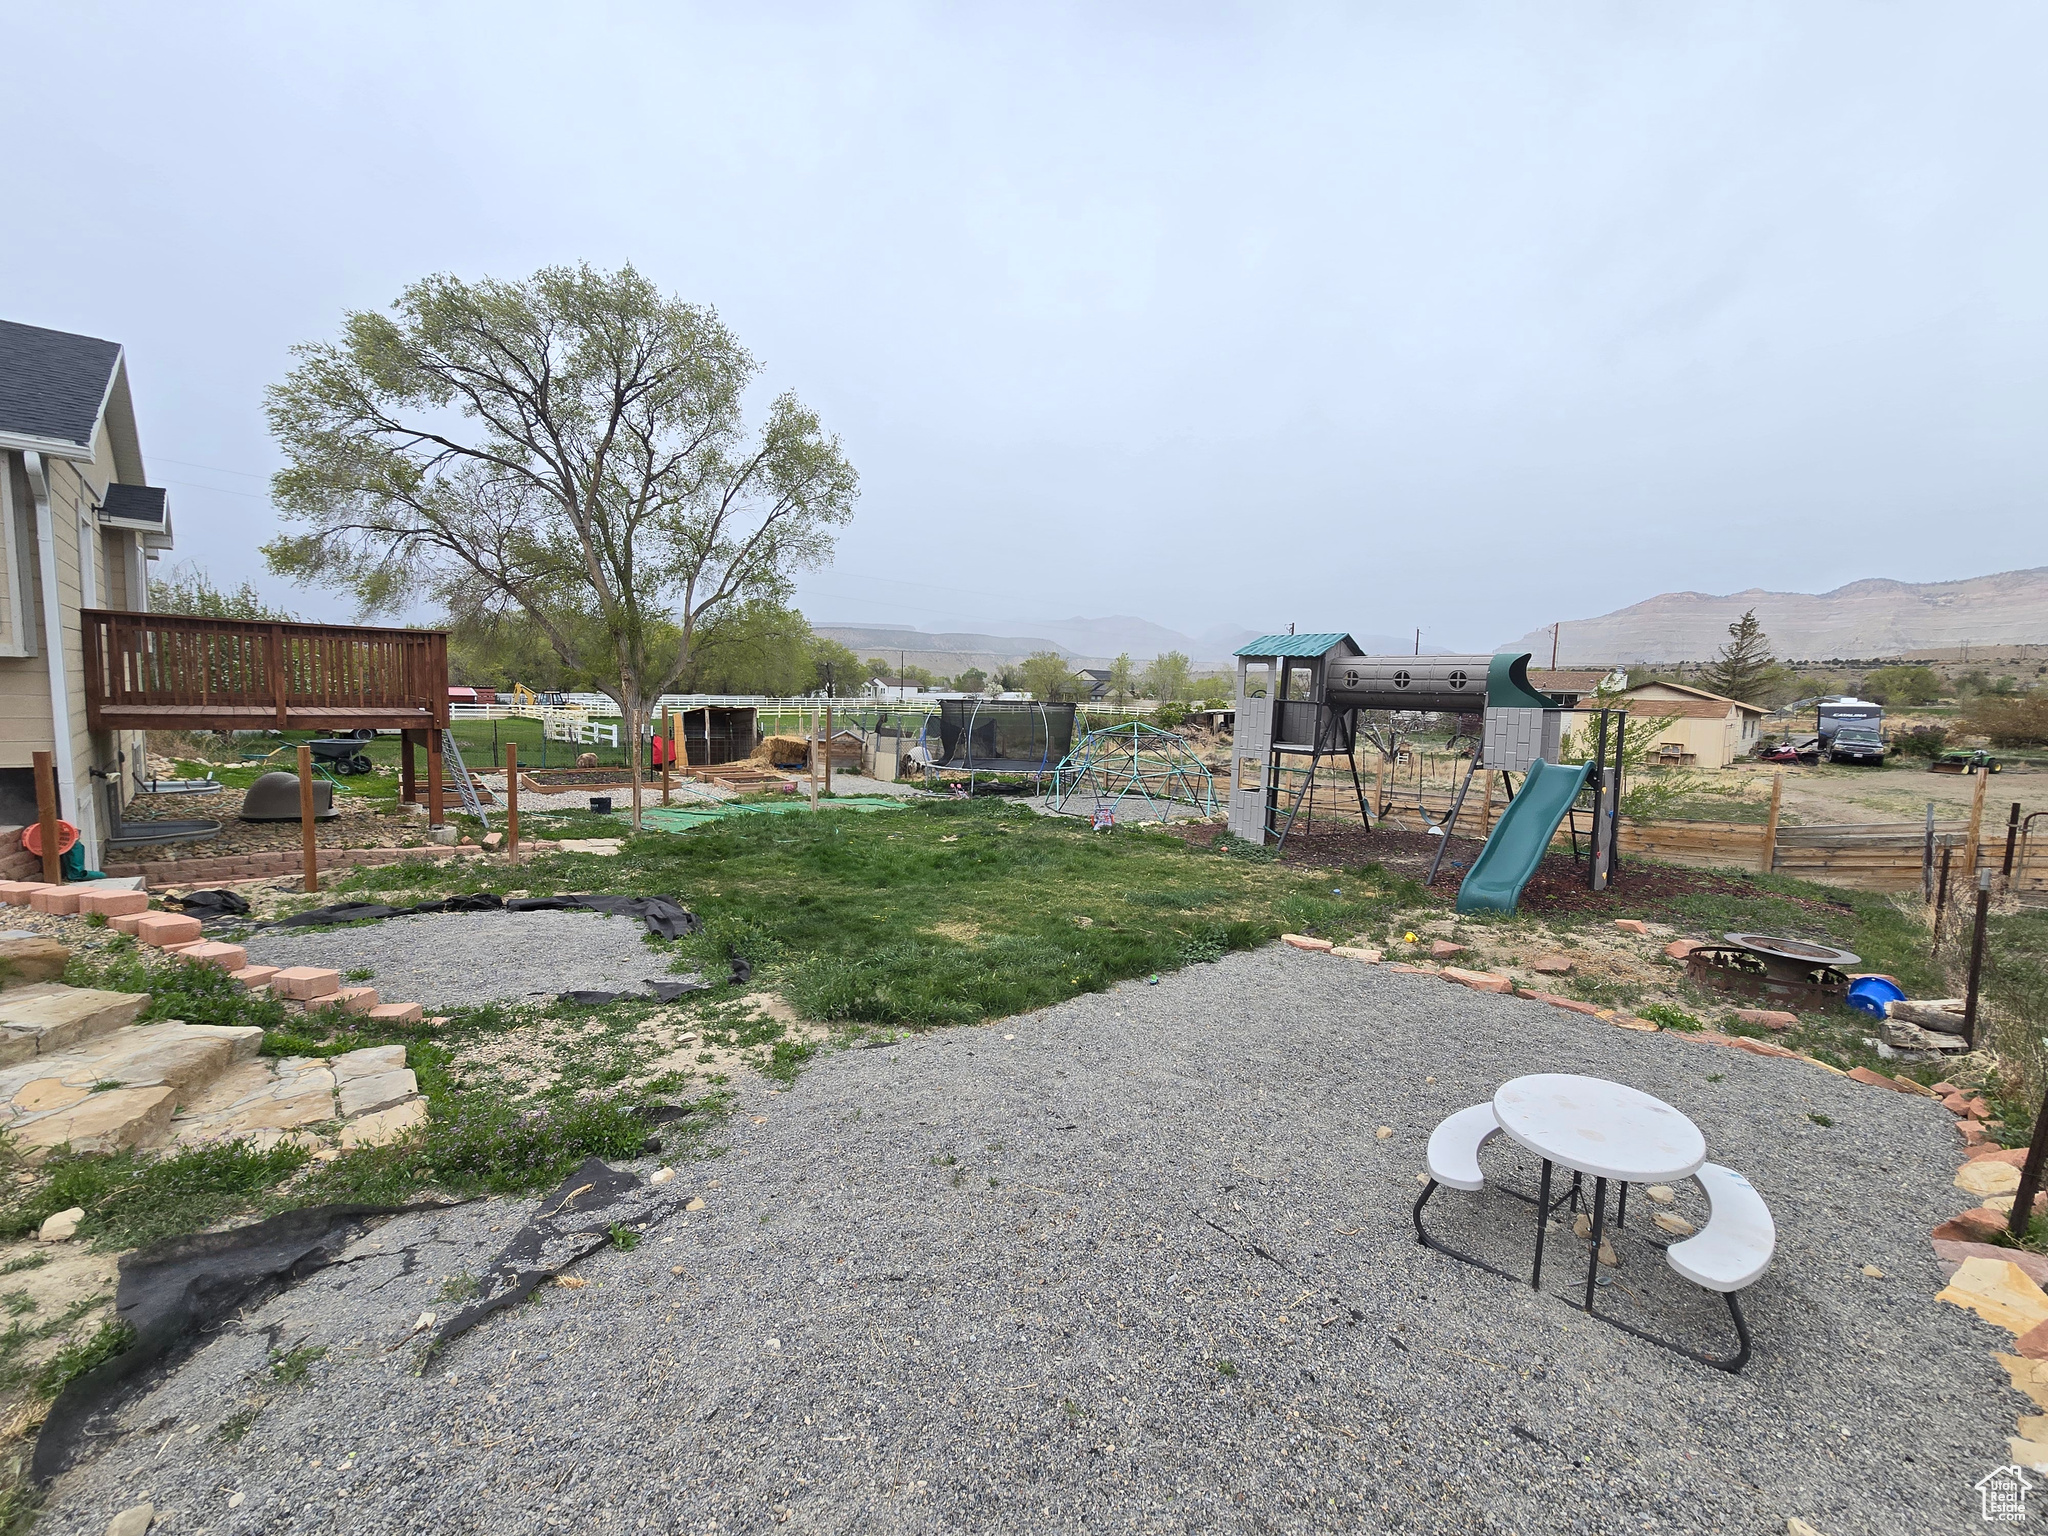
[[1864, 619], [1112, 636], [1084, 642]]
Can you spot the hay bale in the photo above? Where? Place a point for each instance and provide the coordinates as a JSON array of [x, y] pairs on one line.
[[792, 750]]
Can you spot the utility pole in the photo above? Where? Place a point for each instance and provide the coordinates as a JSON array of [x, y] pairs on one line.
[[1418, 642], [1553, 645]]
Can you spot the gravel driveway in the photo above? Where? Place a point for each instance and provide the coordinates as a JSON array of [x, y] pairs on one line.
[[453, 959], [1144, 1266]]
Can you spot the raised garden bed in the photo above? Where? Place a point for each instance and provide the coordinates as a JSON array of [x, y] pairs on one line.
[[544, 781]]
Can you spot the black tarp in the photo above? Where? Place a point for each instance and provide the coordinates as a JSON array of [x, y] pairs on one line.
[[174, 1290], [571, 1223]]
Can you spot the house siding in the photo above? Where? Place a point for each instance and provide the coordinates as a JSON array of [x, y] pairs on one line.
[[24, 680], [94, 568]]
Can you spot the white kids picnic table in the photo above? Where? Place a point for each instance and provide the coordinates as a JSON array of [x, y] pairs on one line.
[[1607, 1130]]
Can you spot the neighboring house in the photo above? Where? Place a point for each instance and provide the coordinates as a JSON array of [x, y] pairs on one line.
[[1097, 681], [78, 528], [900, 690], [1573, 687], [1703, 730]]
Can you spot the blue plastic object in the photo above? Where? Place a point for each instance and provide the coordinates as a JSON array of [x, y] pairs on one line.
[[1871, 993]]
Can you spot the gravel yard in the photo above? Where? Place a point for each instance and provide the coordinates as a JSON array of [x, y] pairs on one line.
[[454, 959], [1137, 1261]]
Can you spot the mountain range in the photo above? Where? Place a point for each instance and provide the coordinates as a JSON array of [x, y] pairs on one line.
[[1863, 620], [1083, 642]]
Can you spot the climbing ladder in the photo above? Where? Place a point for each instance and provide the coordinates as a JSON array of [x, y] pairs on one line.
[[463, 782]]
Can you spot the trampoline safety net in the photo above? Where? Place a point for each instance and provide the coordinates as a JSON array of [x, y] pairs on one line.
[[1001, 735]]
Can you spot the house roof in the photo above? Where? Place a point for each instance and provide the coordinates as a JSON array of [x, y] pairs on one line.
[[1696, 693], [1293, 645], [1678, 709], [53, 386], [1566, 680], [134, 504]]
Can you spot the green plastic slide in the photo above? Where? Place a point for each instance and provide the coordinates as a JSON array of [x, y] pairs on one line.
[[1521, 837]]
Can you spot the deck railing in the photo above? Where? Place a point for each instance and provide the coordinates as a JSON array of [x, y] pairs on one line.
[[160, 671]]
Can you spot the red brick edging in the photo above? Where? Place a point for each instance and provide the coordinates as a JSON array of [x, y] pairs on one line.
[[256, 866]]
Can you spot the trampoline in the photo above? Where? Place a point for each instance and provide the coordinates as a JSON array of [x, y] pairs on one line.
[[997, 736]]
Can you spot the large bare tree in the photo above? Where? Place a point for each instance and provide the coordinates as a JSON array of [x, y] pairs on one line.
[[570, 449]]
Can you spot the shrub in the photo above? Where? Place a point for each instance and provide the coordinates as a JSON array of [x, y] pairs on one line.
[[1902, 685], [1921, 741], [1171, 716], [1668, 1016], [2009, 722]]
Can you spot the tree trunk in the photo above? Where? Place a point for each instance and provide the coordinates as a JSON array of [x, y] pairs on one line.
[[633, 746]]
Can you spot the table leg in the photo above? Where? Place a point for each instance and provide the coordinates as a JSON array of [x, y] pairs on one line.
[[1542, 1226], [1621, 1207], [1599, 1226]]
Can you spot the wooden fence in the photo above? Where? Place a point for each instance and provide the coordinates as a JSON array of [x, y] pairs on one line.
[[1872, 856]]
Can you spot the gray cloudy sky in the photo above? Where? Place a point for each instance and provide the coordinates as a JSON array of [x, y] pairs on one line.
[[1366, 317]]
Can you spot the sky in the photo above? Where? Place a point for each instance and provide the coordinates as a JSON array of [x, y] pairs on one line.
[[1363, 317]]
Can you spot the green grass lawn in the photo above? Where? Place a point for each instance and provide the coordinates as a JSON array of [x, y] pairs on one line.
[[948, 911], [945, 912]]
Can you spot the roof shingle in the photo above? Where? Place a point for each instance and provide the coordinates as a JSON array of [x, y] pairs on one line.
[[53, 383]]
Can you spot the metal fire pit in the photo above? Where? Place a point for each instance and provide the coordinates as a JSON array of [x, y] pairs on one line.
[[1793, 970]]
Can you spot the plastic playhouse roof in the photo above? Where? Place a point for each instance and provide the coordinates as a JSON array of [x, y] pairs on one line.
[[1293, 645]]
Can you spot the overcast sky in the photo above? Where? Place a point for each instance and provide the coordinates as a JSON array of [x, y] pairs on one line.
[[1360, 317]]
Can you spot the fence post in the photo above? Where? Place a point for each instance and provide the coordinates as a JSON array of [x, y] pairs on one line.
[[1976, 824], [512, 801], [2030, 1176], [1770, 856], [1927, 859], [2012, 835], [1976, 957], [1941, 895], [46, 815], [309, 844]]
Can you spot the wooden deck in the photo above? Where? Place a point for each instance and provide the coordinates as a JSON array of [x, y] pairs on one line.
[[176, 672]]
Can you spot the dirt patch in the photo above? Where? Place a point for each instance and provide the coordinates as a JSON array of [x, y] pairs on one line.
[[1639, 889], [61, 1299], [769, 1005], [964, 933], [359, 823]]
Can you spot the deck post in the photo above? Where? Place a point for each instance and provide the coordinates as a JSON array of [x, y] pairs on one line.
[[308, 840], [433, 778], [46, 815], [408, 775]]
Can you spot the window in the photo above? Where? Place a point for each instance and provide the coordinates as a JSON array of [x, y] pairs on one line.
[[1251, 773]]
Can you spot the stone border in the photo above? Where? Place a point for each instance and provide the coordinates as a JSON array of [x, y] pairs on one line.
[[258, 866]]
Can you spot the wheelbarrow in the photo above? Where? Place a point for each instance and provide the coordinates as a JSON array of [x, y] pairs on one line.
[[343, 755]]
